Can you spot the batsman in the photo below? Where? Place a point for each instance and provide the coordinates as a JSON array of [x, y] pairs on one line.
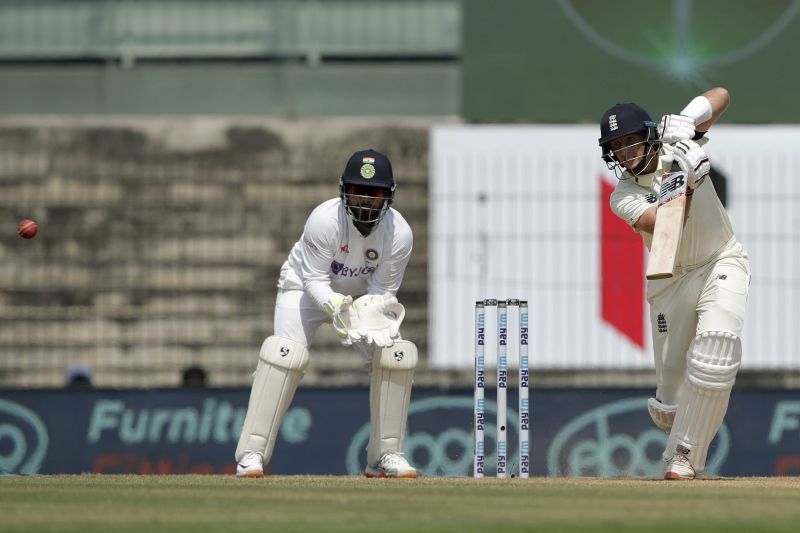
[[697, 310], [354, 245]]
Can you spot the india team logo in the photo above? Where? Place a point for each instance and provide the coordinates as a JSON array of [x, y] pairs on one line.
[[368, 168]]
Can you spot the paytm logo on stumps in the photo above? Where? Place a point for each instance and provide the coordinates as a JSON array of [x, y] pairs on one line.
[[619, 439], [524, 458], [480, 413], [503, 326], [23, 439], [502, 360], [480, 463], [480, 325], [480, 372], [524, 414]]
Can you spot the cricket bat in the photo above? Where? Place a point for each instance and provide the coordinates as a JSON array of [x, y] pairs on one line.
[[669, 226]]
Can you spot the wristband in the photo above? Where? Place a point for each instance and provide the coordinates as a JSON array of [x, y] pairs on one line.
[[699, 109]]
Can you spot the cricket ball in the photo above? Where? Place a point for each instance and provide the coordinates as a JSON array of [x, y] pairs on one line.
[[27, 229]]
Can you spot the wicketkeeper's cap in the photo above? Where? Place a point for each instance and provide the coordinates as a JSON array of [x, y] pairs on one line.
[[368, 167]]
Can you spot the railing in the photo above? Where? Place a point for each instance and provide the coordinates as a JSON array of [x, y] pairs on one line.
[[130, 30]]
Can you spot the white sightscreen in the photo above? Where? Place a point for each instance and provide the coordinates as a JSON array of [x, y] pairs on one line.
[[516, 213]]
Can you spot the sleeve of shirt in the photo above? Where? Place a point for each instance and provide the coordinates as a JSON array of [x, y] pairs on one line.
[[319, 242], [389, 274], [629, 205]]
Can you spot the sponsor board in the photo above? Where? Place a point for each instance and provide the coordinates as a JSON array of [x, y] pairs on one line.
[[597, 432]]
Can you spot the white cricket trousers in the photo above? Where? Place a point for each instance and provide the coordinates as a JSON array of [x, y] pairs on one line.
[[712, 297]]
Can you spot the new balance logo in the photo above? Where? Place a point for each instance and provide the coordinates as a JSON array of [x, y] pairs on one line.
[[673, 183], [612, 123], [662, 323]]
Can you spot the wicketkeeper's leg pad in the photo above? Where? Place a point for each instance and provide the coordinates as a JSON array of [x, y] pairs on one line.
[[662, 414], [281, 365], [389, 395], [713, 361]]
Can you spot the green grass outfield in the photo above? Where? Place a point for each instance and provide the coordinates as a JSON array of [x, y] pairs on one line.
[[120, 503]]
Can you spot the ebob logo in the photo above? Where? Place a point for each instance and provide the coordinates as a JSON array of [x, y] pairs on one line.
[[23, 439], [608, 441]]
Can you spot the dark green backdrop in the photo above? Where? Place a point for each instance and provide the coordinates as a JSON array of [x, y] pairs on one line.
[[567, 61]]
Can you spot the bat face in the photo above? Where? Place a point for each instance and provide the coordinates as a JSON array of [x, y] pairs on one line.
[[669, 226]]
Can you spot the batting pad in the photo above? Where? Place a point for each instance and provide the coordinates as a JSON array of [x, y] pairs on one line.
[[281, 365], [662, 414], [713, 361], [389, 394]]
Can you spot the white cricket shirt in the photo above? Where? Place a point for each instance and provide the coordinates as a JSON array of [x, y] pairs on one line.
[[332, 255], [707, 233]]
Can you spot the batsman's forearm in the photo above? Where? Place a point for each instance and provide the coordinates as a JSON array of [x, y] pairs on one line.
[[647, 222], [719, 98]]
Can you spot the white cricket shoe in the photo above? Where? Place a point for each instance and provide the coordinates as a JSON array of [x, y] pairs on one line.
[[391, 465], [680, 468], [251, 465]]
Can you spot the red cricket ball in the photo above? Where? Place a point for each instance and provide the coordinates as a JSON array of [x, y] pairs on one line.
[[27, 229]]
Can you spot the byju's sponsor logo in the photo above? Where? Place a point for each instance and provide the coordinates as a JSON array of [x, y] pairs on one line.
[[609, 441], [434, 446], [23, 439], [338, 269]]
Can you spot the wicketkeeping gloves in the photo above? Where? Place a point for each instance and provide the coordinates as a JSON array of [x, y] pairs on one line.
[[377, 318], [339, 308]]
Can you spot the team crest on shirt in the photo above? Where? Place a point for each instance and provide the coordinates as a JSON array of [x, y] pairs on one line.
[[371, 254]]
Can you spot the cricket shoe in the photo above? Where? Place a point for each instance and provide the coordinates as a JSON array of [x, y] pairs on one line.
[[251, 465], [391, 465], [680, 468]]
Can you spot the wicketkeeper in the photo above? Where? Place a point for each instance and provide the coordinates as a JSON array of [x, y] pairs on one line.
[[697, 315], [354, 245]]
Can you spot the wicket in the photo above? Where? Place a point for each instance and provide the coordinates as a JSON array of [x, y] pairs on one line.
[[502, 387]]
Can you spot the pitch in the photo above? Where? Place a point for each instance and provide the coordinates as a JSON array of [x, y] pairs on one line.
[[319, 503]]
